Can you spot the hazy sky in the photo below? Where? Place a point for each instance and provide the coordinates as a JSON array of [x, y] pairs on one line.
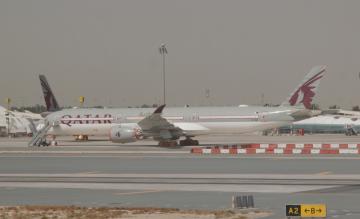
[[107, 50]]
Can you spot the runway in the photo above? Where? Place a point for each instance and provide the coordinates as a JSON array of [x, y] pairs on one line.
[[181, 164], [99, 173]]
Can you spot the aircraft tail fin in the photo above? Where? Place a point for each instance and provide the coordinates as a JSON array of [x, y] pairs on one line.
[[304, 94], [50, 100]]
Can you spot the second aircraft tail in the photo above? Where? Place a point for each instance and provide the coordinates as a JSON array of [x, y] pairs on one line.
[[50, 100], [306, 91]]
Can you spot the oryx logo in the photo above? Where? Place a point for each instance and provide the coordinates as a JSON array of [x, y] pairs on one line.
[[305, 93], [51, 103]]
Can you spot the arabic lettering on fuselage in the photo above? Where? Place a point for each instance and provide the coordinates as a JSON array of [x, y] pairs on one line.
[[86, 119]]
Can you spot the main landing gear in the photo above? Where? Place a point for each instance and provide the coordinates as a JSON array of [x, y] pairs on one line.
[[81, 137], [189, 142], [168, 143], [173, 143], [52, 142]]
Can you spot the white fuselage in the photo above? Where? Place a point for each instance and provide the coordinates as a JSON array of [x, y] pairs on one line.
[[192, 120], [193, 129]]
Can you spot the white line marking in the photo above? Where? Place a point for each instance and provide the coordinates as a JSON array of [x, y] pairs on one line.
[[169, 187]]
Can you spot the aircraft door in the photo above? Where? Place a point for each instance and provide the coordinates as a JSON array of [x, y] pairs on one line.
[[119, 119]]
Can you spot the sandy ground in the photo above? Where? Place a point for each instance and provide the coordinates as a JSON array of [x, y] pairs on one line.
[[62, 212]]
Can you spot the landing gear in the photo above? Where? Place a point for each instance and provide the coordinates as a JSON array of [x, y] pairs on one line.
[[53, 141], [169, 143], [189, 142], [81, 137], [44, 143], [350, 131]]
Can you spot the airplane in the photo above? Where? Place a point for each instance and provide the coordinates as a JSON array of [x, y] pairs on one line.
[[330, 121], [168, 125]]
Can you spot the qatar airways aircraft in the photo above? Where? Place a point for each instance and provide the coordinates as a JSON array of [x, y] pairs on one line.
[[168, 125]]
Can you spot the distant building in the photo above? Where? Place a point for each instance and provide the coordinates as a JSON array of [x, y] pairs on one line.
[[20, 123]]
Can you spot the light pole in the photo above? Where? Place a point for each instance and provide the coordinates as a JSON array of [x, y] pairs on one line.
[[81, 100], [7, 114], [163, 52], [207, 95]]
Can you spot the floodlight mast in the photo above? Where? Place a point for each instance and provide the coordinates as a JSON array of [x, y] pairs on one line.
[[163, 52]]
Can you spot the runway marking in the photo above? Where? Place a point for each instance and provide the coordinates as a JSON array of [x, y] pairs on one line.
[[284, 189], [139, 193], [211, 176], [90, 172], [324, 173]]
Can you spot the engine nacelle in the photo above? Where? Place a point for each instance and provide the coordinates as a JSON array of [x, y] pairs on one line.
[[125, 134]]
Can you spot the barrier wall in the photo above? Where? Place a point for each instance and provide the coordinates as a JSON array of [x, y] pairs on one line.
[[281, 148]]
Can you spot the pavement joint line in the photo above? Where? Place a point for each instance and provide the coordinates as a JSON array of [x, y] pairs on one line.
[[195, 176], [168, 187], [139, 192], [90, 172], [325, 173]]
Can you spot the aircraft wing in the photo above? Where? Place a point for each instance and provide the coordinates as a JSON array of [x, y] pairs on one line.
[[158, 125]]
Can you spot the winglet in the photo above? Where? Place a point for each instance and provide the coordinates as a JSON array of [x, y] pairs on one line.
[[159, 109]]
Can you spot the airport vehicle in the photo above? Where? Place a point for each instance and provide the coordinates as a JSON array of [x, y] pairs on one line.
[[168, 125]]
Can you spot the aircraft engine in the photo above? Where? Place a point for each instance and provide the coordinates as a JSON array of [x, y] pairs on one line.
[[123, 134]]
